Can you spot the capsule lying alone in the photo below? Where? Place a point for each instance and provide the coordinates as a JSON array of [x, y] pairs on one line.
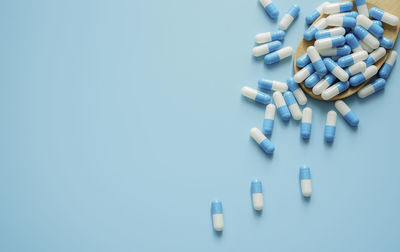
[[270, 8], [262, 141], [257, 194], [265, 37], [349, 116], [316, 13], [384, 16], [386, 69], [217, 215], [266, 48], [256, 96], [330, 126], [278, 55], [372, 88], [297, 91], [306, 120], [292, 105], [269, 119], [305, 180], [289, 17]]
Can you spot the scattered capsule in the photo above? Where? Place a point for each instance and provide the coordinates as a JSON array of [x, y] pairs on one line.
[[306, 71], [281, 106], [330, 42], [266, 48], [366, 37], [370, 26], [359, 78], [312, 80], [338, 7], [334, 90], [386, 69], [349, 116], [362, 7], [365, 47], [310, 32], [375, 56], [352, 14], [372, 88], [270, 8], [316, 60], [305, 180], [217, 215], [272, 85], [347, 22], [386, 43], [269, 36], [323, 84], [306, 120], [352, 41], [289, 17], [353, 58], [269, 119], [293, 106], [330, 126], [337, 51], [336, 70], [358, 67], [384, 16], [303, 60], [255, 95], [316, 13], [297, 91], [257, 194], [262, 141], [278, 55], [330, 32]]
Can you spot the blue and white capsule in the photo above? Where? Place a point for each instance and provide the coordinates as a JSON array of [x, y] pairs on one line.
[[316, 60], [266, 37], [312, 80], [293, 106], [278, 55], [362, 7], [257, 194], [366, 37], [269, 119], [272, 85], [256, 96], [370, 26], [270, 8], [305, 180], [365, 47], [330, 126], [281, 106], [359, 78], [306, 71], [289, 17], [347, 22], [336, 70], [217, 215], [386, 69], [309, 34], [303, 60], [262, 141], [306, 121], [377, 22], [334, 90], [375, 56], [337, 31], [297, 91], [324, 84], [266, 48], [384, 16], [353, 58], [358, 67], [316, 13], [338, 7], [352, 14], [352, 41], [372, 88], [349, 116], [386, 43], [330, 42], [337, 51]]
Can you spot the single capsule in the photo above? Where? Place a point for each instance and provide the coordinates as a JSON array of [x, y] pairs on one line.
[[386, 42], [330, 126], [278, 55], [297, 91], [281, 106], [365, 47], [336, 70], [353, 58], [293, 106], [352, 41], [347, 22], [316, 60], [337, 51], [312, 80], [303, 60], [270, 8], [289, 17], [306, 71], [386, 69], [362, 7], [255, 95], [338, 7], [323, 84], [217, 215], [358, 67], [266, 48], [384, 16], [262, 141], [352, 14], [330, 42], [316, 13], [269, 36], [366, 37], [310, 32], [375, 56], [349, 116], [257, 194], [334, 90], [269, 119], [372, 88], [272, 85], [305, 181], [337, 31], [359, 78], [306, 120], [370, 26]]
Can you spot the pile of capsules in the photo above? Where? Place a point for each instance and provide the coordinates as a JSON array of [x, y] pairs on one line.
[[347, 52]]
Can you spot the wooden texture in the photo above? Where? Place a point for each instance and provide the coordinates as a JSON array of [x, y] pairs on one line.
[[391, 6]]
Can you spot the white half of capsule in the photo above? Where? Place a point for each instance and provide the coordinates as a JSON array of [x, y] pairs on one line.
[[278, 99], [320, 87], [330, 92], [340, 73], [279, 86], [285, 22], [300, 96], [378, 54], [295, 111], [342, 107], [365, 91], [263, 37], [218, 221], [249, 93], [261, 50], [321, 24], [265, 3], [328, 52], [359, 56], [364, 21], [301, 75], [306, 187], [324, 43], [313, 54], [358, 67], [370, 71], [258, 202], [320, 8], [270, 110], [285, 52], [331, 118], [307, 115], [391, 58], [365, 47], [257, 135], [332, 8], [371, 41], [334, 20], [390, 19]]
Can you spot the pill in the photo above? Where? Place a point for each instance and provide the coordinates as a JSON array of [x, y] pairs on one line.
[[330, 42], [270, 8], [344, 21], [306, 120], [255, 95], [377, 22], [289, 17], [262, 141], [305, 180], [366, 37], [337, 51], [269, 36], [281, 106], [316, 13], [323, 84], [334, 90], [330, 126], [352, 14], [370, 26], [362, 7], [372, 88], [269, 119], [353, 58], [349, 116], [257, 194], [303, 60], [375, 56], [386, 42], [338, 7], [359, 78], [310, 32], [278, 55], [297, 91], [306, 71], [352, 41], [217, 215], [312, 80], [272, 85], [293, 106], [330, 32], [316, 60], [365, 46], [266, 48], [336, 70], [384, 16], [358, 67], [386, 69]]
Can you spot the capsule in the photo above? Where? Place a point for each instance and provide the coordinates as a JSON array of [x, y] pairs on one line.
[[217, 215], [303, 60], [281, 106], [365, 47], [293, 106], [349, 116], [312, 80], [359, 78], [278, 55], [337, 31], [358, 67], [375, 56], [262, 141], [370, 26], [330, 42], [257, 194], [316, 13], [362, 7], [353, 58], [323, 84], [256, 96], [334, 90], [269, 36], [316, 60], [310, 32], [306, 120], [272, 85], [297, 91], [269, 119], [338, 7], [337, 51], [305, 180], [266, 48], [347, 22], [270, 8], [330, 126], [306, 71], [366, 37], [336, 70], [289, 17], [384, 16], [386, 42], [352, 41], [372, 88], [386, 69], [352, 14]]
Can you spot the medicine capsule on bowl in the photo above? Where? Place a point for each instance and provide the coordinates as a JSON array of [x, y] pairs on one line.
[[386, 69], [303, 60], [337, 31], [330, 126], [278, 55], [362, 7], [309, 34], [337, 51], [301, 75], [353, 58], [256, 96], [289, 17], [263, 142], [312, 80], [336, 70], [330, 42], [217, 215], [306, 121], [347, 22], [384, 16], [316, 60], [338, 7], [269, 36], [352, 41], [359, 78], [372, 88], [370, 26], [323, 84], [270, 8], [349, 116], [334, 90], [366, 37], [386, 42], [257, 194], [358, 67], [297, 91], [292, 104], [272, 85], [305, 180], [375, 56], [316, 13], [269, 119]]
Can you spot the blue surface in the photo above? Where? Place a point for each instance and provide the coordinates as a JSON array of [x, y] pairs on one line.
[[123, 120]]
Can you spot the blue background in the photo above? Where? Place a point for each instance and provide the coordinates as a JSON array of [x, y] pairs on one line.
[[122, 120]]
